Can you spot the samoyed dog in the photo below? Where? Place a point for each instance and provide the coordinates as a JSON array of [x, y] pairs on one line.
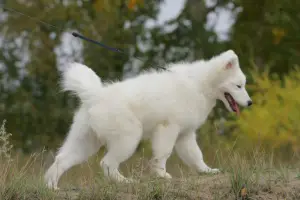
[[166, 107]]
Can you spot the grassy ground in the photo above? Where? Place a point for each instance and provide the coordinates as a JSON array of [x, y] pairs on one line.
[[254, 178]]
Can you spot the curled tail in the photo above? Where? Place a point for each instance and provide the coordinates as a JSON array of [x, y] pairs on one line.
[[82, 81]]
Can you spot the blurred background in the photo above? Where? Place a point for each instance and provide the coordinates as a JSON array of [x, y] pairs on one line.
[[264, 33]]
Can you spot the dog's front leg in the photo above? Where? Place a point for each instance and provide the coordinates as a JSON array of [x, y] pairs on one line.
[[189, 151], [163, 141]]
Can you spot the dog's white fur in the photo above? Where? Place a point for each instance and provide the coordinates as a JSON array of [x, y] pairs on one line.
[[166, 107]]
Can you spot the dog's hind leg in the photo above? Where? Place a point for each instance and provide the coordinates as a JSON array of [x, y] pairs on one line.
[[189, 152], [122, 142], [81, 143], [163, 141]]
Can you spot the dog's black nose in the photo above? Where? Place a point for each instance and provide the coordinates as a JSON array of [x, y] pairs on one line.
[[249, 103]]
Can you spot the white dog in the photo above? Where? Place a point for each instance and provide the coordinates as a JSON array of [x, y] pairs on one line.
[[166, 107]]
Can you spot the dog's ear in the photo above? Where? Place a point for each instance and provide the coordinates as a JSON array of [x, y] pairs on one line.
[[230, 64], [230, 58]]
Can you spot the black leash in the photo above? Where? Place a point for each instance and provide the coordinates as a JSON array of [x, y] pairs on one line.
[[74, 34], [97, 43]]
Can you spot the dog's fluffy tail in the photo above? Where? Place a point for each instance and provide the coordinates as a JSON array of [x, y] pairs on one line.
[[82, 81]]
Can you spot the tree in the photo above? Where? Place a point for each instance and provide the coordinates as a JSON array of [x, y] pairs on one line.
[[266, 32], [37, 113]]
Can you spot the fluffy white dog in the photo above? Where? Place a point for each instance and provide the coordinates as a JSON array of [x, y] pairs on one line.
[[166, 107]]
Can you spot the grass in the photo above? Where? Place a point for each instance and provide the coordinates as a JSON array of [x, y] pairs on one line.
[[257, 176], [240, 179]]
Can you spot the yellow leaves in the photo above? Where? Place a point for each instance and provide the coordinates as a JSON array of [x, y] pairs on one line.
[[273, 119], [244, 193], [132, 3], [278, 34], [98, 5], [101, 5]]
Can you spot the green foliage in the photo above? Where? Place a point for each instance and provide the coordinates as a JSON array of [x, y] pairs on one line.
[[273, 121], [37, 112], [184, 38], [267, 31], [39, 115]]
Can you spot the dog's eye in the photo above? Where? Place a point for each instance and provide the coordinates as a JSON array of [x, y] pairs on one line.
[[239, 86]]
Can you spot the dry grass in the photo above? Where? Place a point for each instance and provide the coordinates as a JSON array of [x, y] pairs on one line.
[[255, 178], [23, 179]]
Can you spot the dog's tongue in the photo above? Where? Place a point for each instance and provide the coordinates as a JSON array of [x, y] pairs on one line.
[[237, 109]]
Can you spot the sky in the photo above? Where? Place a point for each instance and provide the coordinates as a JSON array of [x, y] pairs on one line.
[[222, 20]]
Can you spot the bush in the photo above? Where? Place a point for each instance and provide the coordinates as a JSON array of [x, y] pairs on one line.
[[273, 120]]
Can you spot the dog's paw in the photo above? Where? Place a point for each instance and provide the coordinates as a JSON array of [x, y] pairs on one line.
[[212, 171], [161, 173], [51, 187], [215, 171], [130, 181], [165, 175], [122, 179]]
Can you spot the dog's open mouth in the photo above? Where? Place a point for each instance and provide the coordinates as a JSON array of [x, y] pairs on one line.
[[232, 103]]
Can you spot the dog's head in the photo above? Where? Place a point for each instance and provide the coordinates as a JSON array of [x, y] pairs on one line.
[[230, 81]]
